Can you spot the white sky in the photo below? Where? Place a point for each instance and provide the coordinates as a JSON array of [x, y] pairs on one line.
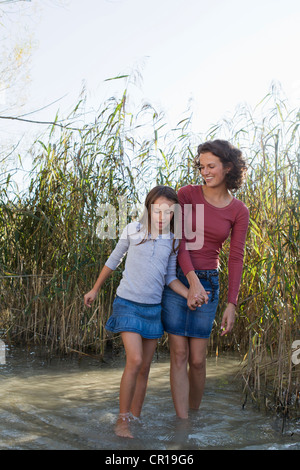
[[218, 52]]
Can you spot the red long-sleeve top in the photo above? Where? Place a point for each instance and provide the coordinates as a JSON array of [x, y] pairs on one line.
[[219, 223]]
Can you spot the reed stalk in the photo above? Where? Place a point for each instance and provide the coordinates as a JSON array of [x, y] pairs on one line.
[[50, 254]]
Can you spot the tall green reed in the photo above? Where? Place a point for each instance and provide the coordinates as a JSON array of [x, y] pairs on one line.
[[269, 298], [51, 254]]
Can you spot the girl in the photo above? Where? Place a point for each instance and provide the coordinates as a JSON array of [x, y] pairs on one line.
[[150, 264]]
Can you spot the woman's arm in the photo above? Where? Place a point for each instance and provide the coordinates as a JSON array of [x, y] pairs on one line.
[[236, 254], [235, 267], [177, 286], [228, 319], [184, 257], [196, 290]]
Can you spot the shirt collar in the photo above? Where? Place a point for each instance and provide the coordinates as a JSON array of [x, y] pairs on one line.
[[163, 236]]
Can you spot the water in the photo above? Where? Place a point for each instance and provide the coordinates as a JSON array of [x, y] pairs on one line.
[[72, 405]]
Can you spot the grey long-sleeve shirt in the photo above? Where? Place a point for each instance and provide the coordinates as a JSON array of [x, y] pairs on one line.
[[148, 267]]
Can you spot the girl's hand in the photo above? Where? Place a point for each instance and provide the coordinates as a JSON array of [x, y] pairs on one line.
[[89, 298], [196, 290], [228, 319], [197, 297], [198, 301]]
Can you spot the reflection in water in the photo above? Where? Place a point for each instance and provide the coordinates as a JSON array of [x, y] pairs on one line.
[[73, 404]]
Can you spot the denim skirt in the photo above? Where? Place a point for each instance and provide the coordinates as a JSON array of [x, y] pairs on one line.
[[144, 319], [178, 319]]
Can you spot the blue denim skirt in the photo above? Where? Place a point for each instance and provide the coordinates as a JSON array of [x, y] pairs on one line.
[[144, 319], [178, 319]]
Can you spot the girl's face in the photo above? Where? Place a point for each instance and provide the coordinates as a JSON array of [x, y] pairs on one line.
[[212, 170], [162, 212]]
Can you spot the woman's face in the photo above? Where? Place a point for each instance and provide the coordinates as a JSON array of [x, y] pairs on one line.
[[212, 170], [162, 212]]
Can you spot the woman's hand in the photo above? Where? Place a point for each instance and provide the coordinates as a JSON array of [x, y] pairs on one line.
[[197, 296], [228, 319], [90, 297], [198, 301]]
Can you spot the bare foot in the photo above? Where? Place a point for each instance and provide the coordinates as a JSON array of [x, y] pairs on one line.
[[122, 426]]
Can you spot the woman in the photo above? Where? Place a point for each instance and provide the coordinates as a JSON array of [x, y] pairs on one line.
[[187, 323]]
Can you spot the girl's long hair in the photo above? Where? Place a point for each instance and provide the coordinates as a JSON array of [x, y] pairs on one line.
[[175, 224]]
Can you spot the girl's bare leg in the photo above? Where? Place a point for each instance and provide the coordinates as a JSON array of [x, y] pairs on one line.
[[197, 370], [149, 346], [134, 353], [179, 354]]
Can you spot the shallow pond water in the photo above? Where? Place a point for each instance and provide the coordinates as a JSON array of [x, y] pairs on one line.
[[72, 404]]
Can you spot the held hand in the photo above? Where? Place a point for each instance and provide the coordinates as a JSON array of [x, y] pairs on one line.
[[89, 298], [228, 319], [198, 301], [197, 297]]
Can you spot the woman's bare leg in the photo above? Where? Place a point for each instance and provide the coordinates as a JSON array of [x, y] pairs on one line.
[[197, 370], [179, 354]]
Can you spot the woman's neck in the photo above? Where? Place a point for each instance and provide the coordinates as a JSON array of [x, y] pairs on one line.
[[217, 196]]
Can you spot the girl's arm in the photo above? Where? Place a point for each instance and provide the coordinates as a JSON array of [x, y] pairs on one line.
[[111, 264], [90, 296], [177, 286], [181, 289]]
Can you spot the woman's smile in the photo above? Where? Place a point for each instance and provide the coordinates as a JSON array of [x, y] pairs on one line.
[[212, 169]]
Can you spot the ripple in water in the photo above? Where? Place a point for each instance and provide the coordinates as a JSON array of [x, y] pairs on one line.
[[73, 404]]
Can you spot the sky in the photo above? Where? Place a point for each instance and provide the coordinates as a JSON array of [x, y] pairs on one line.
[[214, 54]]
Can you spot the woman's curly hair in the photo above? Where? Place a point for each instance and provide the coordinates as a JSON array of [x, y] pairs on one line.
[[230, 156]]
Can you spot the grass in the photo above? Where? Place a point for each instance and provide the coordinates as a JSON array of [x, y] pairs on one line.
[[50, 254]]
